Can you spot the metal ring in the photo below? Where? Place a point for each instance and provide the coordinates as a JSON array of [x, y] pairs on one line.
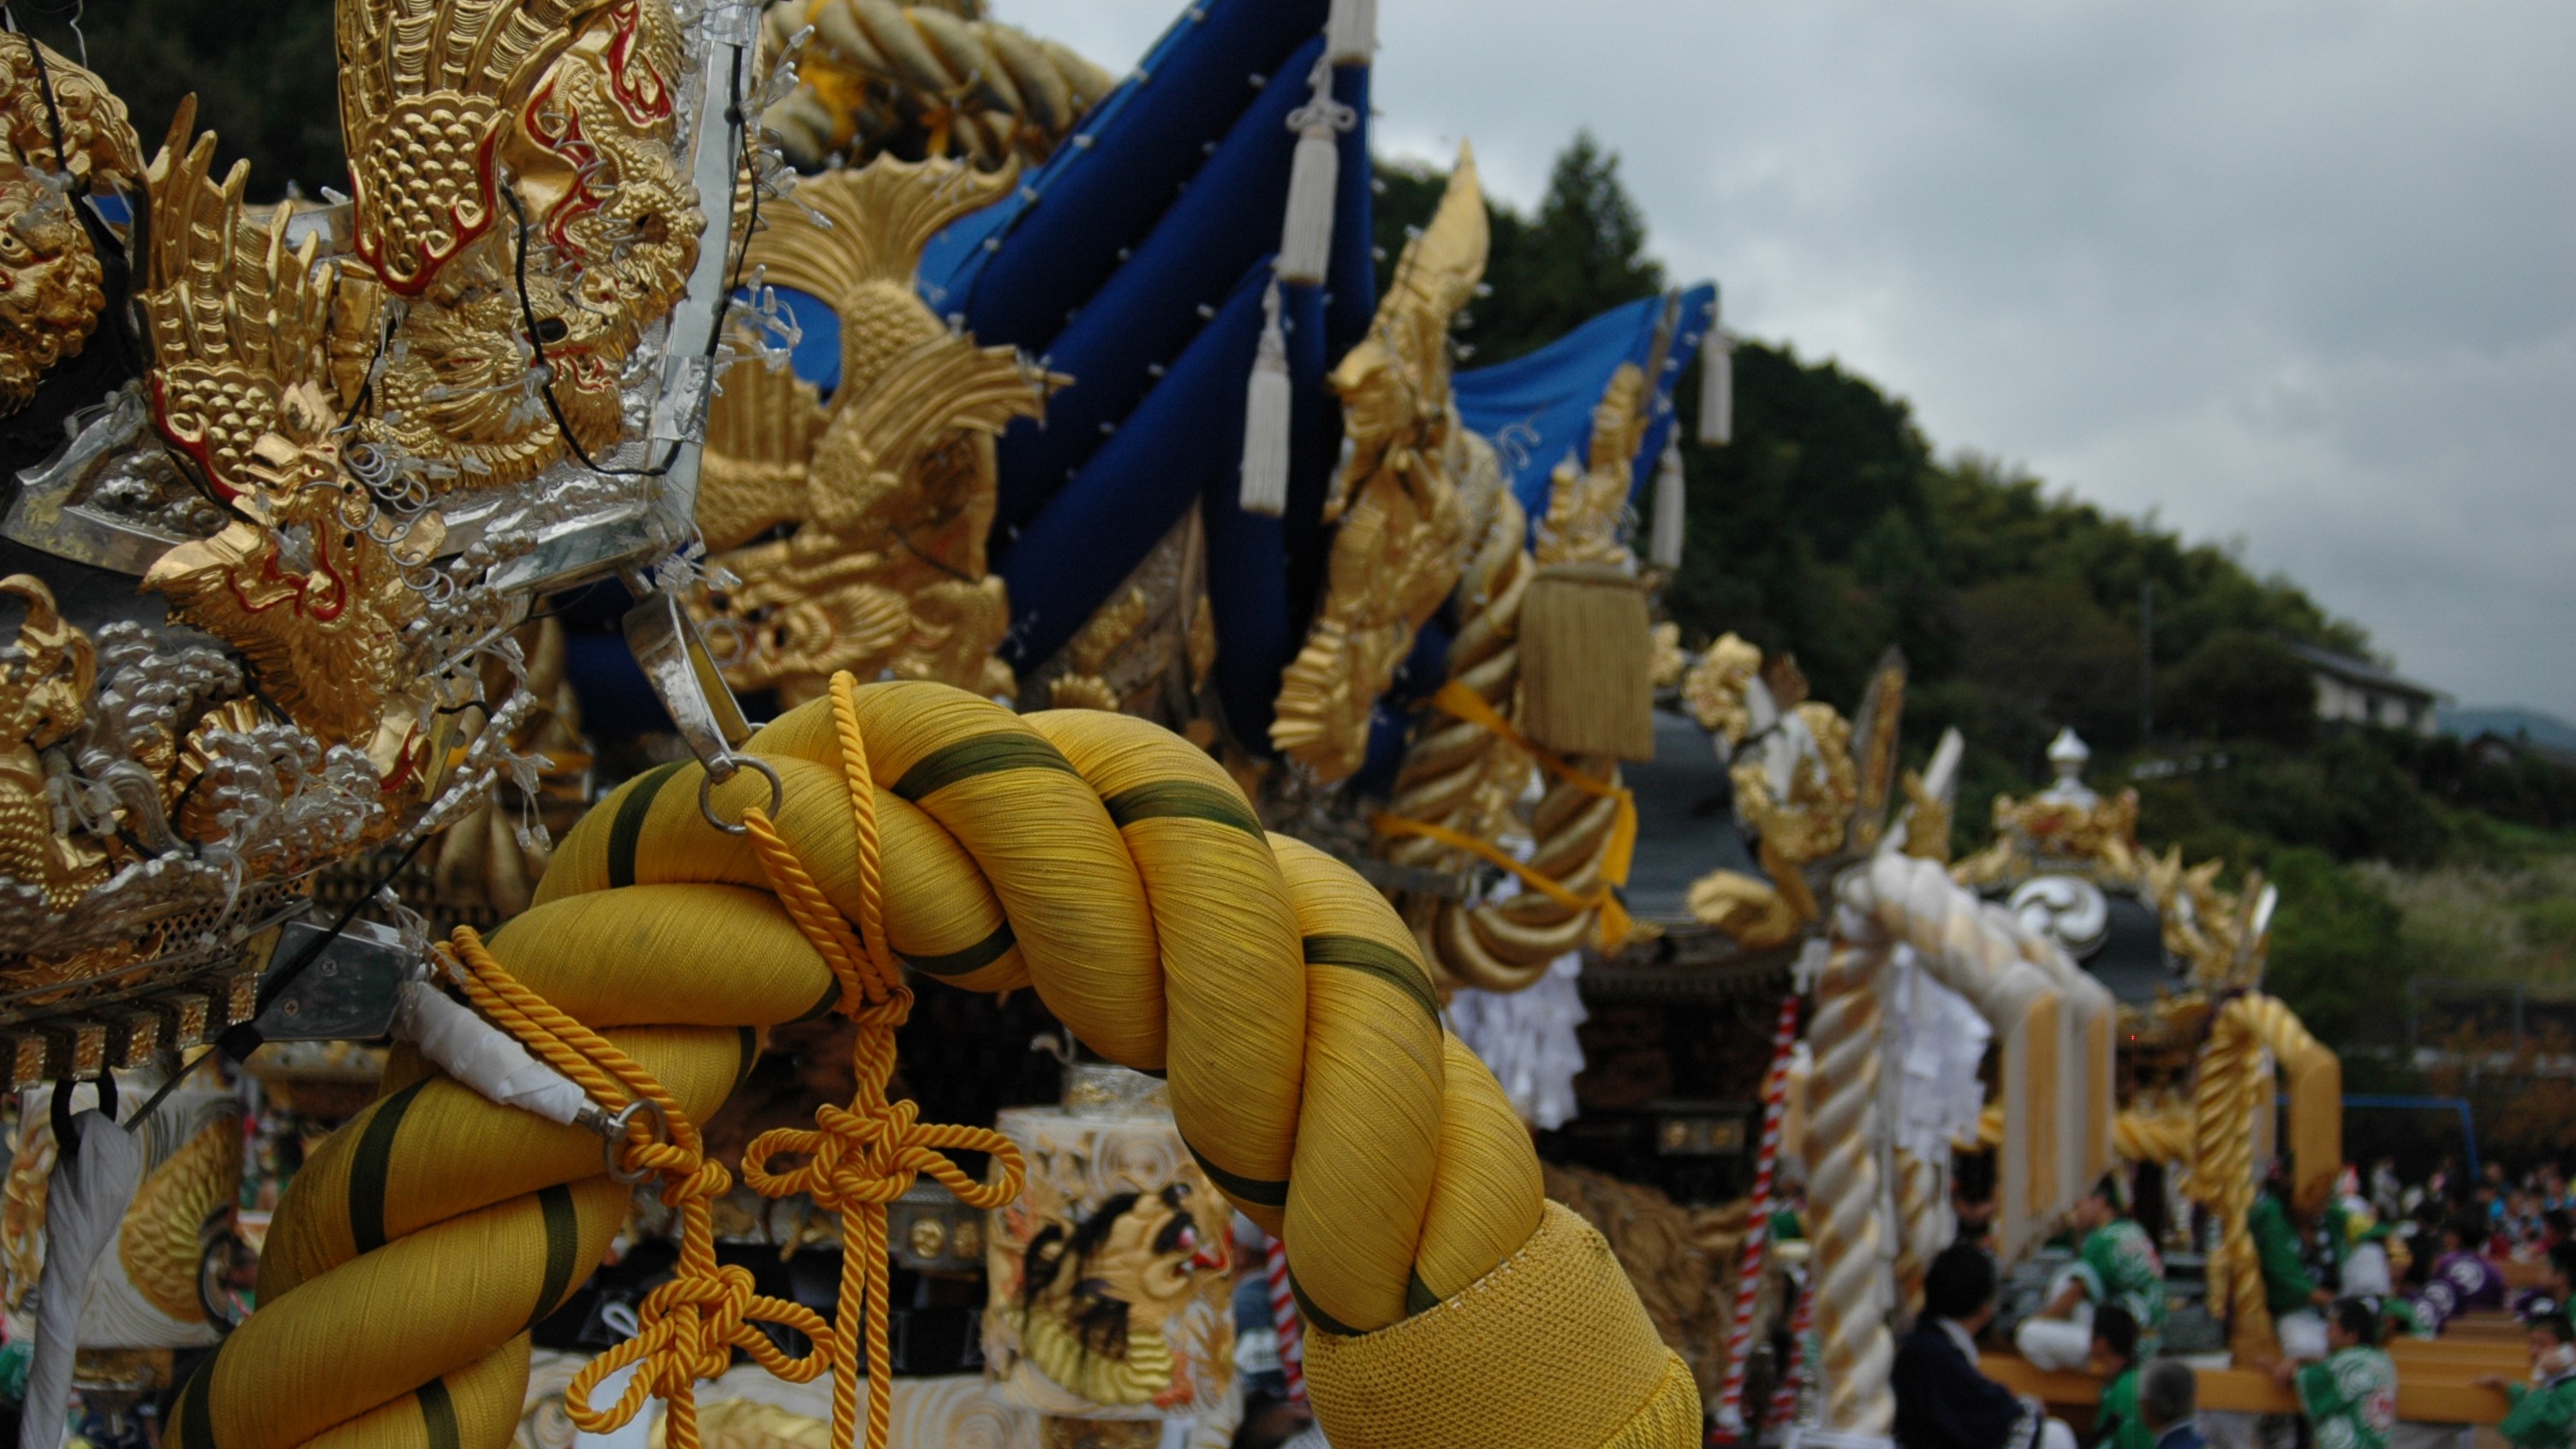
[[613, 1133], [707, 787]]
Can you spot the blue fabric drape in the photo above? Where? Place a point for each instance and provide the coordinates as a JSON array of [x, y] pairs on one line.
[[1014, 271], [1537, 409], [1147, 310], [1091, 535]]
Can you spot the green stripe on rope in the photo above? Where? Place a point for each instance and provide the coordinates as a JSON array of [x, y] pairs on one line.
[[1245, 1189], [628, 826], [1387, 963], [1316, 1316], [1183, 799], [974, 958], [1418, 1297], [563, 1244], [823, 1007], [374, 1159], [983, 755], [438, 1415], [192, 1419]]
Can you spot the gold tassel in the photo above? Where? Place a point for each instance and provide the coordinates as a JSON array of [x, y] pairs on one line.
[[1588, 662]]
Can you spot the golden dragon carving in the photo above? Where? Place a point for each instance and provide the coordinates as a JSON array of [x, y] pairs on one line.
[[60, 122], [1816, 787], [885, 493], [1397, 554]]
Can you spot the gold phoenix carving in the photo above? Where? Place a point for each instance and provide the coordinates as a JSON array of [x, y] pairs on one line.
[[884, 493]]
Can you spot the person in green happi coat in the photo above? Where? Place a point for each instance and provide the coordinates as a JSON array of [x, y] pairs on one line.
[[2289, 1289], [2117, 1423], [2543, 1414], [2350, 1397], [2115, 1262]]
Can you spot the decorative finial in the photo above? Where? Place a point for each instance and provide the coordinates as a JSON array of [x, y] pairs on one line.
[[2067, 755]]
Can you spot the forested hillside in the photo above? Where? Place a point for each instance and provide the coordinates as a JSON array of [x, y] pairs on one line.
[[1832, 527]]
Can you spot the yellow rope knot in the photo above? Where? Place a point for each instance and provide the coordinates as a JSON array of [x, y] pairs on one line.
[[860, 1157], [690, 1325]]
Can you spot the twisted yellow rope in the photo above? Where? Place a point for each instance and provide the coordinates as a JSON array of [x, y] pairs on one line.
[[1107, 863], [1460, 699]]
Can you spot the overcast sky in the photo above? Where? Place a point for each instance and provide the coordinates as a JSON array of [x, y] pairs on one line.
[[2301, 277]]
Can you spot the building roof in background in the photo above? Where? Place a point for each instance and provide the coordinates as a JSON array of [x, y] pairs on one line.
[[2362, 672], [2531, 726], [1685, 820]]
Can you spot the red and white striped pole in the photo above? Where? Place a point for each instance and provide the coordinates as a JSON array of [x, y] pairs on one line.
[[1283, 1315], [1757, 1229], [1784, 1399]]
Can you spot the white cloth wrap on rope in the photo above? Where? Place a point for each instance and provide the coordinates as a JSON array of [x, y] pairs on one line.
[[1937, 1042], [2051, 1021], [84, 1204], [483, 1056]]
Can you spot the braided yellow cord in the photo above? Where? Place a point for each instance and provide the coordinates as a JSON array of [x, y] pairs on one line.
[[1096, 857]]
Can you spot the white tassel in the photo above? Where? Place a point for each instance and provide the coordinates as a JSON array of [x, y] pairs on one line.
[[1350, 33], [1717, 388], [1664, 550], [1306, 237], [1265, 418]]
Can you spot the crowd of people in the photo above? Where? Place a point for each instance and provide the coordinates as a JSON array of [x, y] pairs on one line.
[[2379, 1261]]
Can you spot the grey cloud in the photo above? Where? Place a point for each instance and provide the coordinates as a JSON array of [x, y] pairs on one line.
[[2298, 275]]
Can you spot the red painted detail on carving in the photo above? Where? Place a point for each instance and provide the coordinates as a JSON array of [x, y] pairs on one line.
[[195, 448]]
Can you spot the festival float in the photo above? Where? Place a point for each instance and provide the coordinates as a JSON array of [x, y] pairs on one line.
[[356, 546]]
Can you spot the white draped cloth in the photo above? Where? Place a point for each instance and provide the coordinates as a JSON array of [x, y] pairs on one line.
[[1939, 1039], [1527, 1038]]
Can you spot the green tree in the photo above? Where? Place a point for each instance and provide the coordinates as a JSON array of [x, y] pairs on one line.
[[2240, 685], [1582, 253], [266, 78]]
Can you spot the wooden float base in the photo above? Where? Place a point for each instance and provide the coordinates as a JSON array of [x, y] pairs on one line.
[[2433, 1379]]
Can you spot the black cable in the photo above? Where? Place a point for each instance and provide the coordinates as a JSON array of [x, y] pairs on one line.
[[45, 83], [243, 1037], [737, 125]]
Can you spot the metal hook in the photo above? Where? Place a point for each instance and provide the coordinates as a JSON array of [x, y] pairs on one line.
[[726, 766], [613, 1137]]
